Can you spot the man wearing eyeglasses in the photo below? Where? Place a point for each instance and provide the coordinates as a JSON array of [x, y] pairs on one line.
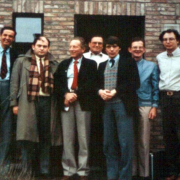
[[169, 85], [148, 97], [118, 81], [95, 52]]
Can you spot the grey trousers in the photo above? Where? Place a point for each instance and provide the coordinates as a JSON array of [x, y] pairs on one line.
[[141, 143], [75, 120]]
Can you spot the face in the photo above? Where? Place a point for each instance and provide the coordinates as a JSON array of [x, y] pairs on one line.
[[170, 42], [75, 49], [137, 50], [7, 38], [96, 45], [41, 47], [112, 50]]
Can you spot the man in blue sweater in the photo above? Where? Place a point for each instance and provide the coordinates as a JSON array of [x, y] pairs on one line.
[[148, 97]]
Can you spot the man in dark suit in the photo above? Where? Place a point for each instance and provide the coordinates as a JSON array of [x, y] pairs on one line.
[[118, 81], [7, 58], [75, 84]]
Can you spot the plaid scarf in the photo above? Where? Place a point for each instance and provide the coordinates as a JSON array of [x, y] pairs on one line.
[[35, 81]]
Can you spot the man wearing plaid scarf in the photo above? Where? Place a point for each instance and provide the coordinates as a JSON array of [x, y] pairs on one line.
[[32, 87]]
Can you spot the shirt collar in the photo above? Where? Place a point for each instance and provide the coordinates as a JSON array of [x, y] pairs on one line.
[[176, 51], [1, 49], [79, 60], [140, 61], [38, 58], [100, 54], [116, 58]]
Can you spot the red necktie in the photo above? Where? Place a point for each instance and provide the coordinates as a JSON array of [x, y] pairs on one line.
[[3, 65], [75, 80]]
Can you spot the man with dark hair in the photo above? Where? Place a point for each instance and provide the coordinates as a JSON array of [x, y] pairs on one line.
[[33, 101], [7, 58], [117, 83], [95, 53], [169, 65], [148, 96], [75, 83]]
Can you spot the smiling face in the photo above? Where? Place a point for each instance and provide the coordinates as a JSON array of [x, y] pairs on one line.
[[137, 50], [96, 45], [41, 48], [170, 42], [75, 49], [7, 38]]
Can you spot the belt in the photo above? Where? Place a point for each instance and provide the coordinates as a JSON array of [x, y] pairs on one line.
[[170, 93]]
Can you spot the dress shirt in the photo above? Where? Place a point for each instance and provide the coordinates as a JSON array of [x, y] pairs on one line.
[[70, 75], [169, 71], [148, 93], [70, 72], [38, 65], [116, 59], [8, 62], [101, 57]]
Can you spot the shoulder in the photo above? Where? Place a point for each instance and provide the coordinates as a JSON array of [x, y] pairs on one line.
[[161, 55], [86, 55], [102, 65], [105, 55], [89, 61]]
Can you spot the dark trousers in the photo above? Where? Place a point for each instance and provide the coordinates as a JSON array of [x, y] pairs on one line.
[[5, 122], [43, 112], [171, 131]]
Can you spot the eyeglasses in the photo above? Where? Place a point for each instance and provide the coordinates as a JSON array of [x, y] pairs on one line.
[[168, 39], [99, 43]]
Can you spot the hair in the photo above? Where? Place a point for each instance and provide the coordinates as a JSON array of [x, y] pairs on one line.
[[96, 35], [176, 33], [39, 37], [8, 28], [113, 40], [134, 39], [82, 41]]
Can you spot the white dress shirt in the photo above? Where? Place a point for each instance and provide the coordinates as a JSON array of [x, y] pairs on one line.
[[169, 71], [99, 58], [70, 72], [70, 75]]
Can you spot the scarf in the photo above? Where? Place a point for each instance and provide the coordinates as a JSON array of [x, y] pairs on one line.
[[35, 81]]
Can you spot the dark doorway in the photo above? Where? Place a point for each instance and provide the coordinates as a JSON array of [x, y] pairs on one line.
[[124, 27]]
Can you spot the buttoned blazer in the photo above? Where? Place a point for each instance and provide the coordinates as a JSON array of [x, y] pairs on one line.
[[127, 83], [86, 83]]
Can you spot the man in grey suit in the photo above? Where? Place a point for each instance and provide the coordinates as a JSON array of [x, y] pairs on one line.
[[75, 85]]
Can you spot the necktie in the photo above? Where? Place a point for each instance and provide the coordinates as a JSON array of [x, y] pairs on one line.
[[41, 71], [75, 80], [170, 55], [112, 62], [3, 65]]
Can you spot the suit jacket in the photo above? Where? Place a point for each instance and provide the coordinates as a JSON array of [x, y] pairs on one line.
[[86, 83], [127, 83]]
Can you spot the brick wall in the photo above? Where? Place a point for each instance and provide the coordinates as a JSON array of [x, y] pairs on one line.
[[59, 25]]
